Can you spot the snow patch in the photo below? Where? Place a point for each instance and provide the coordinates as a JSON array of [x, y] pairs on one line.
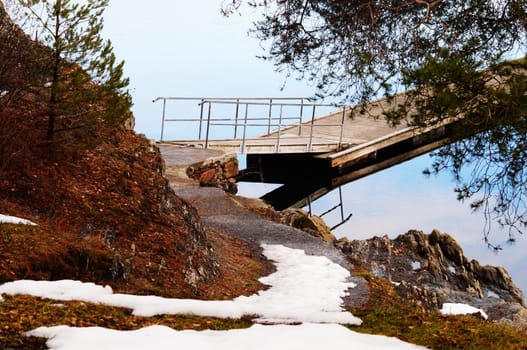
[[416, 265], [461, 309], [303, 289], [6, 219], [491, 294], [257, 337]]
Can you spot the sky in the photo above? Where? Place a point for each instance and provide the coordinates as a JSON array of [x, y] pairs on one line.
[[188, 49]]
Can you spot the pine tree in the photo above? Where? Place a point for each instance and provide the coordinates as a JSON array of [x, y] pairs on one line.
[[85, 82]]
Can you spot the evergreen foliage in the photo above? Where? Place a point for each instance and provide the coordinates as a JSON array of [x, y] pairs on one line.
[[452, 58], [84, 80], [358, 49]]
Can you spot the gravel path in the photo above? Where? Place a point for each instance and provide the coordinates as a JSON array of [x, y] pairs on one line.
[[222, 211]]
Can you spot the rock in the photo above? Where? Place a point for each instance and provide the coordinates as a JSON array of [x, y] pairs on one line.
[[341, 243], [129, 123], [312, 225], [432, 270], [230, 168], [515, 319], [216, 173], [293, 217], [207, 177]]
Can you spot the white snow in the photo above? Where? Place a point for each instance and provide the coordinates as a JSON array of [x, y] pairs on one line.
[[416, 265], [304, 289], [6, 219], [461, 309], [257, 337], [491, 294]]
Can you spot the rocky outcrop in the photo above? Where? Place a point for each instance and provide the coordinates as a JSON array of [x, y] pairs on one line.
[[310, 224], [431, 269], [216, 173]]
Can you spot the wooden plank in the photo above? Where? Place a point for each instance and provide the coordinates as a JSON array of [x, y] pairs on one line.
[[265, 146], [368, 170], [348, 155]]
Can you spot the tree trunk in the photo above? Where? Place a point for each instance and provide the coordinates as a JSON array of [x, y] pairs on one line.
[[55, 78]]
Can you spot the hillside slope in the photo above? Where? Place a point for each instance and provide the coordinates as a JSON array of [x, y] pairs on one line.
[[105, 213]]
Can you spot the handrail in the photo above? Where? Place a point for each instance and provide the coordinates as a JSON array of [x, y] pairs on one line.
[[241, 117], [279, 104], [228, 98]]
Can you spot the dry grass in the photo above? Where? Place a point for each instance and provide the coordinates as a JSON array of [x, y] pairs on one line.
[[19, 314]]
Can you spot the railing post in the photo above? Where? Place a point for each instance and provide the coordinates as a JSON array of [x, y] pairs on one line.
[[341, 204], [281, 114], [310, 144], [277, 146], [245, 127], [236, 118], [200, 118], [301, 117], [163, 119], [270, 116], [208, 125], [342, 128]]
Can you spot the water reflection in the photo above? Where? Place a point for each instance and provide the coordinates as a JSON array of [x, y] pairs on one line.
[[400, 198]]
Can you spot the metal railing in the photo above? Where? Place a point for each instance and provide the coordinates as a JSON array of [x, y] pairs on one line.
[[273, 115]]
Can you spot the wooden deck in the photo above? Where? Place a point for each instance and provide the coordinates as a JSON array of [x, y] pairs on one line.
[[333, 143], [332, 132]]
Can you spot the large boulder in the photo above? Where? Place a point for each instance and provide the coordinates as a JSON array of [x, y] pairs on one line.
[[218, 172], [310, 224]]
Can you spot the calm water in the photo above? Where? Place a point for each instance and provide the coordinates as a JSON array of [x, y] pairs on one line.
[[401, 198]]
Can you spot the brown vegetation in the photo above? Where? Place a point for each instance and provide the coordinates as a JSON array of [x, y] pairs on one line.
[[105, 213], [18, 314]]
